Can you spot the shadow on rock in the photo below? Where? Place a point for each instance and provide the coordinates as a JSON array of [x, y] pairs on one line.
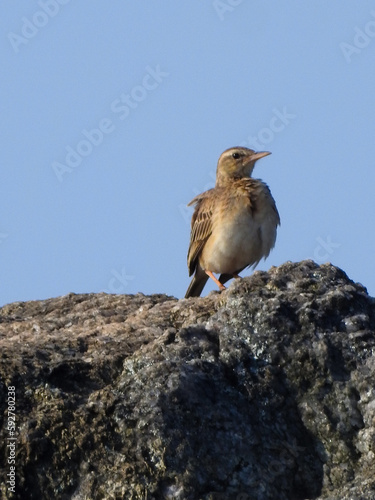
[[229, 438]]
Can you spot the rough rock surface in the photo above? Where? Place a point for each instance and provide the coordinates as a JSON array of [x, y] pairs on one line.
[[263, 392]]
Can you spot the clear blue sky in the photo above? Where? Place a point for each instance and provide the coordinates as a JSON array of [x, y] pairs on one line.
[[114, 115]]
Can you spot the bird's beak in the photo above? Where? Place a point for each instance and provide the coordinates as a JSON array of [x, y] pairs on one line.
[[261, 154]]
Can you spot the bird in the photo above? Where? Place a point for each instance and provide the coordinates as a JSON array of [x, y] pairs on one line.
[[234, 224]]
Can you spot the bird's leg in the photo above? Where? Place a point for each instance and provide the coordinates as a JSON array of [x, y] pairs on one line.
[[220, 285]]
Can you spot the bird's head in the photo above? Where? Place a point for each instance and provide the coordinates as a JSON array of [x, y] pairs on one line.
[[236, 163]]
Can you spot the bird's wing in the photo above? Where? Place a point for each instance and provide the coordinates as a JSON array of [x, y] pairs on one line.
[[272, 202], [267, 193], [257, 193], [201, 227]]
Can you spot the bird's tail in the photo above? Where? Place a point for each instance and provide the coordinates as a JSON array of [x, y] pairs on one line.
[[197, 283], [225, 277]]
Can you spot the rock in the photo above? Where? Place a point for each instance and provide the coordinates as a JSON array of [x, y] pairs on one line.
[[263, 392]]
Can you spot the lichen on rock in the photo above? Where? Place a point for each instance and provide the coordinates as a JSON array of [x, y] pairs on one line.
[[263, 392]]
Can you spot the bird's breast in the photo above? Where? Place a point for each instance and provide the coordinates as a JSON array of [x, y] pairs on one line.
[[243, 231]]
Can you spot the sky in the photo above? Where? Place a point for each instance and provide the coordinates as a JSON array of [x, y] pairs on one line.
[[114, 115]]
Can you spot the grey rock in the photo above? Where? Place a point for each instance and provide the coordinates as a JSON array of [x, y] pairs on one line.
[[263, 392]]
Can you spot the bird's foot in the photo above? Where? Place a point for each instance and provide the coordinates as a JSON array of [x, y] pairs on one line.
[[220, 285]]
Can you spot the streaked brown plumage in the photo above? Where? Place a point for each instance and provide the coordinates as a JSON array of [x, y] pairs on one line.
[[233, 225]]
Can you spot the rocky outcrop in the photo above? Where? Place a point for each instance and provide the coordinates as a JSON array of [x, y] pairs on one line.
[[263, 392]]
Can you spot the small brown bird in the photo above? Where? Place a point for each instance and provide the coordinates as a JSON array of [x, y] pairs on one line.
[[233, 225]]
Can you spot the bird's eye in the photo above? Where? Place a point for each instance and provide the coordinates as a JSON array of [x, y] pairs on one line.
[[236, 155]]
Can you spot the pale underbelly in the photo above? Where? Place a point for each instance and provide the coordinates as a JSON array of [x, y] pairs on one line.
[[237, 245]]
